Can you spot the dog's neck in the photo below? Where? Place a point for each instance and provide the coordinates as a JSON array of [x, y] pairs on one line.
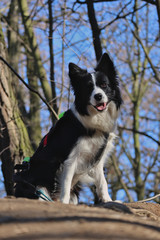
[[100, 121]]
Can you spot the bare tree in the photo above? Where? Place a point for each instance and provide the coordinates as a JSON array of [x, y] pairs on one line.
[[46, 36]]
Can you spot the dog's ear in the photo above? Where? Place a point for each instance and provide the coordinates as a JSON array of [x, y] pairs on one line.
[[76, 73], [106, 65], [74, 70]]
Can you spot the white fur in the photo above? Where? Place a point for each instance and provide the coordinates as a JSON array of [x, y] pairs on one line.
[[96, 91], [78, 166], [103, 121]]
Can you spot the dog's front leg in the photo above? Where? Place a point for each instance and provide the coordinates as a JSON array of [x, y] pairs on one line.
[[101, 184], [66, 181]]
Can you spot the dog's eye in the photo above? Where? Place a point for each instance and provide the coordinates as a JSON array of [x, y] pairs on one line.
[[103, 85]]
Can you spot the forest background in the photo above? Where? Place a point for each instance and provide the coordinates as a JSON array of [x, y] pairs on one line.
[[39, 38]]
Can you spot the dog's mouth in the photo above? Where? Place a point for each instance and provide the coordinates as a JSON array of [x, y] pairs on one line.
[[101, 106]]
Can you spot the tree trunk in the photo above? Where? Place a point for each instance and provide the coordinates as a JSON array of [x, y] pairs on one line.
[[137, 159], [14, 53], [51, 50], [14, 140], [63, 57], [95, 29], [136, 111], [34, 112], [158, 12], [13, 43]]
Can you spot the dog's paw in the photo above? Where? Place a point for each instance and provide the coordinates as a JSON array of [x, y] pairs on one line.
[[64, 200], [118, 201], [105, 200]]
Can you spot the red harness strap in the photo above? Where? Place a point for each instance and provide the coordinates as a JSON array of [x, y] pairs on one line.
[[45, 141]]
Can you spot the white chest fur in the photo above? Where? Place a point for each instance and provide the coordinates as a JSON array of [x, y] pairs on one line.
[[89, 151], [80, 165], [103, 121]]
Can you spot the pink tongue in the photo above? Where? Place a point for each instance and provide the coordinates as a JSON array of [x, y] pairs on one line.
[[101, 106]]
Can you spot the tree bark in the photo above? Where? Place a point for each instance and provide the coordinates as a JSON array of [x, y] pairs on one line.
[[139, 188], [95, 29], [13, 43], [14, 140], [14, 53], [63, 57], [51, 50], [34, 125]]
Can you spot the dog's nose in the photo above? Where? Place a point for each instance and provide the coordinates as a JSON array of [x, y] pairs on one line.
[[98, 96]]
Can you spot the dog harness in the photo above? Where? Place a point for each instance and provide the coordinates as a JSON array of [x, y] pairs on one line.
[[25, 165], [45, 140]]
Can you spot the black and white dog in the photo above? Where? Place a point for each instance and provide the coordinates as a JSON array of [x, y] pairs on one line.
[[76, 148]]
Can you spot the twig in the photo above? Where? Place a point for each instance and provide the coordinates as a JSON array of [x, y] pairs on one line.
[[120, 178], [149, 199], [119, 16], [31, 89], [4, 150], [142, 133], [147, 56]]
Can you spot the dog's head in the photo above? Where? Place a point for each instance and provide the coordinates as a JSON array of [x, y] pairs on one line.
[[97, 89]]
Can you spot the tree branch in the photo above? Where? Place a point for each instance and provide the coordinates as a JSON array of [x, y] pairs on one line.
[[149, 199], [120, 178], [150, 1], [96, 1], [147, 56], [139, 132]]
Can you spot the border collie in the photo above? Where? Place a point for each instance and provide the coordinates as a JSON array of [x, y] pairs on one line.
[[76, 149]]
